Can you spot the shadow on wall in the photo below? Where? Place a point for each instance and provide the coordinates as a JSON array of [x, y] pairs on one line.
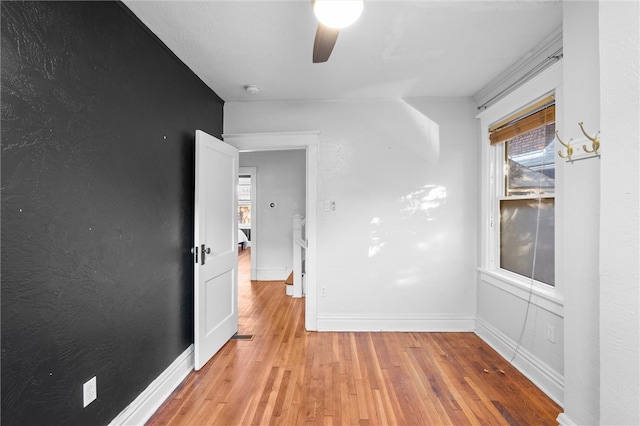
[[408, 225]]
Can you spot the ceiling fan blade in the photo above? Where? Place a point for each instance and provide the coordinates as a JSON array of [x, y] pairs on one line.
[[323, 44]]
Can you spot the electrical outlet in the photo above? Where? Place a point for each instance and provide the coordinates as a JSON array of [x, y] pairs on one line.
[[90, 391], [323, 291], [551, 333]]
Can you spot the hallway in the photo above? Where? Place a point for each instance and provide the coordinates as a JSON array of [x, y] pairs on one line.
[[288, 376]]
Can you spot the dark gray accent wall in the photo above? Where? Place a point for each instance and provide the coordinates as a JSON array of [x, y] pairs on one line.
[[97, 138]]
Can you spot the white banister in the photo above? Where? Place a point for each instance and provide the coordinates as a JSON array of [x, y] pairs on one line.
[[299, 246]]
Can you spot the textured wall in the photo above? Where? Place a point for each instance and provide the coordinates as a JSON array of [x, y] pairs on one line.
[[619, 37], [97, 203]]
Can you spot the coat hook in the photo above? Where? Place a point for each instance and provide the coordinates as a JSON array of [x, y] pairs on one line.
[[569, 148], [595, 142]]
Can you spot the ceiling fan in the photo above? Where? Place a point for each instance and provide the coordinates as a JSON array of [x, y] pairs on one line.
[[332, 15]]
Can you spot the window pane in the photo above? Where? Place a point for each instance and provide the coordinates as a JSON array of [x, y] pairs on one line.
[[244, 214], [530, 162], [244, 202], [244, 188], [517, 238]]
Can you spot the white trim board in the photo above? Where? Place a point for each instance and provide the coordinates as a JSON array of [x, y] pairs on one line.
[[398, 323], [544, 377], [564, 420], [546, 299], [272, 274], [253, 172], [146, 404], [532, 64]]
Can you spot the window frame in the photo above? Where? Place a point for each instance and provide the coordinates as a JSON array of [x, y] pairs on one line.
[[491, 192], [496, 212]]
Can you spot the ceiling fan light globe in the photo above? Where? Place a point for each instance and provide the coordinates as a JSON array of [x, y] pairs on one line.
[[338, 13]]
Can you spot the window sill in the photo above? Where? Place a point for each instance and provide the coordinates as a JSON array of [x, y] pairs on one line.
[[543, 296]]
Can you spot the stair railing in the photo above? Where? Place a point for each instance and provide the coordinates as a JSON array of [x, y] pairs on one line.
[[299, 247]]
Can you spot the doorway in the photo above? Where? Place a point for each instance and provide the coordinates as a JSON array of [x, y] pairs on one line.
[[247, 212], [307, 141]]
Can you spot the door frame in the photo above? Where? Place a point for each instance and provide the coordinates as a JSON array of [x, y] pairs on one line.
[[253, 173], [282, 141]]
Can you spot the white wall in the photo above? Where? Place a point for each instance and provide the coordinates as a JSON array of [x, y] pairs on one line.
[[399, 251], [602, 232], [580, 232], [372, 153], [280, 179], [505, 319], [619, 29], [597, 226]]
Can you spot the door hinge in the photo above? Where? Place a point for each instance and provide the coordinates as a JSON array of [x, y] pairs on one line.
[[203, 250]]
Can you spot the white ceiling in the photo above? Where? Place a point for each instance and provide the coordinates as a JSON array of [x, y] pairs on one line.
[[396, 49]]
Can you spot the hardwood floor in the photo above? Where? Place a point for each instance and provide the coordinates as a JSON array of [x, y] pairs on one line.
[[288, 376]]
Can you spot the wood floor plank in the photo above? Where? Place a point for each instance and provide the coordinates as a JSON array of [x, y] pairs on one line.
[[289, 376], [432, 396]]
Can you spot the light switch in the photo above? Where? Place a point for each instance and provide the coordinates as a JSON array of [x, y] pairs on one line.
[[329, 206]]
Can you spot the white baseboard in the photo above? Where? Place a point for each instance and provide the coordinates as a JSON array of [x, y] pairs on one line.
[[564, 420], [272, 274], [143, 407], [544, 377], [400, 323]]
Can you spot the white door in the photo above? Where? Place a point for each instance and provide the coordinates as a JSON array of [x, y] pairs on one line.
[[216, 247]]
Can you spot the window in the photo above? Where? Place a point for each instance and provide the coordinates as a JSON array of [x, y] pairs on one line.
[[525, 149], [244, 204]]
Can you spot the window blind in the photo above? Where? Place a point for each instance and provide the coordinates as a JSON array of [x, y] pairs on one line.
[[533, 117]]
